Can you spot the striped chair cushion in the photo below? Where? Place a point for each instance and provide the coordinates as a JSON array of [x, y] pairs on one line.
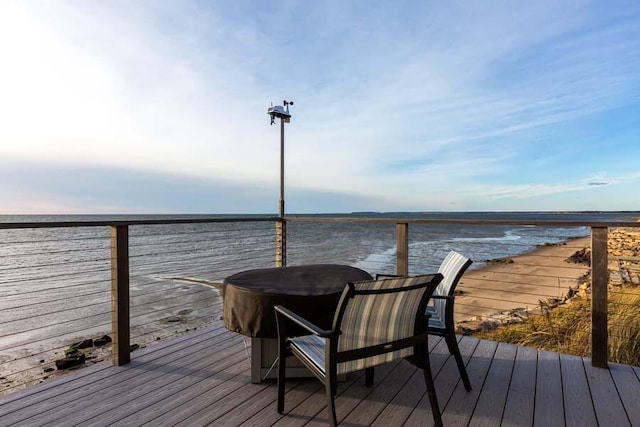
[[380, 318], [313, 346]]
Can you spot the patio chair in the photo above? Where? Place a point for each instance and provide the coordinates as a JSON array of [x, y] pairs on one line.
[[440, 308], [376, 321]]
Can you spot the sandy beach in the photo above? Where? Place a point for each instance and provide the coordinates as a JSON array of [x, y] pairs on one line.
[[520, 282]]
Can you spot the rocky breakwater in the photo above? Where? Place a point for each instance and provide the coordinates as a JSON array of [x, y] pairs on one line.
[[624, 256], [624, 242]]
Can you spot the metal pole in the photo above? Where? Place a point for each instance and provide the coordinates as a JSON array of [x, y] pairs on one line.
[[281, 210]]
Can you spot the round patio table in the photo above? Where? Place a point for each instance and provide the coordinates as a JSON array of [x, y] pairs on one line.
[[312, 291]]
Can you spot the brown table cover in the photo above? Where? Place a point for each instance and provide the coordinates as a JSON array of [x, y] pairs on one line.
[[312, 291]]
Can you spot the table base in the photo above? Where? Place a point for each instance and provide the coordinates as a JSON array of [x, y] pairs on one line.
[[264, 351]]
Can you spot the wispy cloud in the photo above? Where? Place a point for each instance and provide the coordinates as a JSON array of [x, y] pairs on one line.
[[408, 102]]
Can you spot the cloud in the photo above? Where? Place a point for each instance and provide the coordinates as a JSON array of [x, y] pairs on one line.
[[397, 103], [43, 188]]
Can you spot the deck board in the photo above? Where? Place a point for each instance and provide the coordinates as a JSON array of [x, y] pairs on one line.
[[368, 409], [203, 378], [628, 389], [578, 407], [144, 389], [73, 391], [519, 407], [346, 402], [549, 404], [492, 400], [315, 405], [445, 380], [459, 410], [141, 378], [608, 411]]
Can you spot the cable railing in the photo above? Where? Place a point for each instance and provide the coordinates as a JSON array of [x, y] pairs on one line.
[[526, 274], [56, 285], [62, 283]]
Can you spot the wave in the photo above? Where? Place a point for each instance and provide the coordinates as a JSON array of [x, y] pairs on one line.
[[506, 237]]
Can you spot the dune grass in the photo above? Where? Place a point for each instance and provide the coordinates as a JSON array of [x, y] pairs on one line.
[[567, 329]]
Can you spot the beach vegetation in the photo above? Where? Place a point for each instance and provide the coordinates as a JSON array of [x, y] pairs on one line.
[[567, 328]]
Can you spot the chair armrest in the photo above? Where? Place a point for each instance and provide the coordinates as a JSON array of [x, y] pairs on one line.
[[295, 318]]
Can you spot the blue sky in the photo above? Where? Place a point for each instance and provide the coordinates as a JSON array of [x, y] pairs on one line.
[[160, 106]]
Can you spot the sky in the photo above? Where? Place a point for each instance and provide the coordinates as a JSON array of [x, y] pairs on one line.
[[155, 106]]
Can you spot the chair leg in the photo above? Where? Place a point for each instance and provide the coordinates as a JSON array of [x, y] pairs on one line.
[[452, 343], [431, 391], [368, 376], [282, 362], [331, 406]]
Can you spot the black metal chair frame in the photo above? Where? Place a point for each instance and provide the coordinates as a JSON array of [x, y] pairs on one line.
[[419, 341]]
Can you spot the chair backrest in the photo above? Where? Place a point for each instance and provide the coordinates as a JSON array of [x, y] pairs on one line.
[[452, 268], [377, 312]]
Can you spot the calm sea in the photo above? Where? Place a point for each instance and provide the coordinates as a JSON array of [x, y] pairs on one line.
[[55, 283]]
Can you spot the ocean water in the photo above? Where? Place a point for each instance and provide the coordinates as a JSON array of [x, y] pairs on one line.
[[55, 282]]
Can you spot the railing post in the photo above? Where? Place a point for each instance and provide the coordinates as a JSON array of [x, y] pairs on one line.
[[281, 243], [120, 295], [402, 248], [599, 285]]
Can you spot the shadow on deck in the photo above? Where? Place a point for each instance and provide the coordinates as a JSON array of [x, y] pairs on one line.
[[203, 378]]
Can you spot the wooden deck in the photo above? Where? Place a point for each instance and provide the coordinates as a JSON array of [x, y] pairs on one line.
[[203, 379]]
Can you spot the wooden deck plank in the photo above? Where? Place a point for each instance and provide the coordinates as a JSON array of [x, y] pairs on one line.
[[491, 403], [460, 407], [628, 387], [204, 379], [549, 406], [400, 408], [250, 399], [184, 402], [352, 397], [168, 386], [368, 409], [94, 373], [268, 415], [521, 393], [445, 379], [156, 383], [578, 408], [606, 400], [94, 386], [87, 402], [314, 405]]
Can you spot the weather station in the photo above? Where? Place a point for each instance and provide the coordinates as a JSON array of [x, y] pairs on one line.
[[281, 112]]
